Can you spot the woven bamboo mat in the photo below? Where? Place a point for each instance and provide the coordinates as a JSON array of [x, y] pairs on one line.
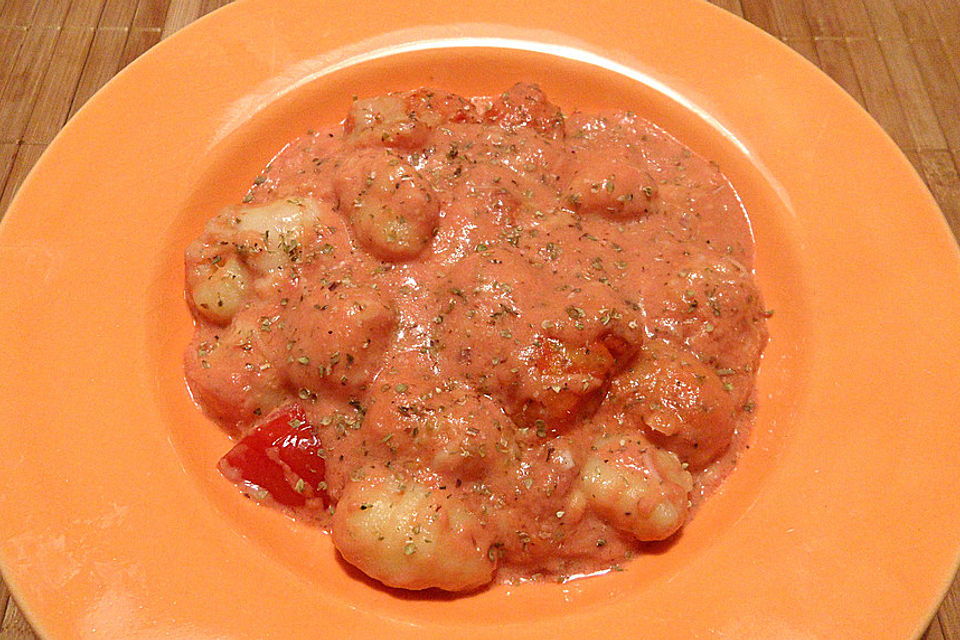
[[900, 59]]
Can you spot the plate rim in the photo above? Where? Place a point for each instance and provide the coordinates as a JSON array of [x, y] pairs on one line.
[[169, 45]]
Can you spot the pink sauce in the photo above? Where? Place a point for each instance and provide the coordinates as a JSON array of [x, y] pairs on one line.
[[551, 321]]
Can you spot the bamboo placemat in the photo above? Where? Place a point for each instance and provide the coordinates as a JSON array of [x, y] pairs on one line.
[[900, 59]]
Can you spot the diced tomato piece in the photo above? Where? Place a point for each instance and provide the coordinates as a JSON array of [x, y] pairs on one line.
[[282, 457]]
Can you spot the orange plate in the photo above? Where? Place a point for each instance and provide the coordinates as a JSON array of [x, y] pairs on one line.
[[841, 521]]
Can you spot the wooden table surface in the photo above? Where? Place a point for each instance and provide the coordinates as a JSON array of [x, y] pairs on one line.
[[900, 59]]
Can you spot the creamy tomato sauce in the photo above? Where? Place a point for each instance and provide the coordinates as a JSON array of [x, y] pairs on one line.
[[477, 339]]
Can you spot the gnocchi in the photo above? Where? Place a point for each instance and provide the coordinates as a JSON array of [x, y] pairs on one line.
[[678, 402], [410, 536], [637, 487], [218, 294], [392, 209], [480, 340]]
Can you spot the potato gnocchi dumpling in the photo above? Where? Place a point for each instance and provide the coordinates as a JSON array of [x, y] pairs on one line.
[[248, 248], [331, 337], [623, 191], [411, 536], [406, 119], [678, 402], [219, 290], [231, 375], [393, 211], [711, 306], [415, 421], [479, 340], [637, 487]]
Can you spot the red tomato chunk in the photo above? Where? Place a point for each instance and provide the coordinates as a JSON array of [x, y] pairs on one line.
[[281, 457]]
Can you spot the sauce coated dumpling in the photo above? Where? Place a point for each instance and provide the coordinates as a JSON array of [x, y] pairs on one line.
[[391, 208], [231, 374], [637, 487], [409, 535], [479, 340], [678, 402], [414, 420], [331, 338], [712, 306], [546, 360], [405, 120]]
